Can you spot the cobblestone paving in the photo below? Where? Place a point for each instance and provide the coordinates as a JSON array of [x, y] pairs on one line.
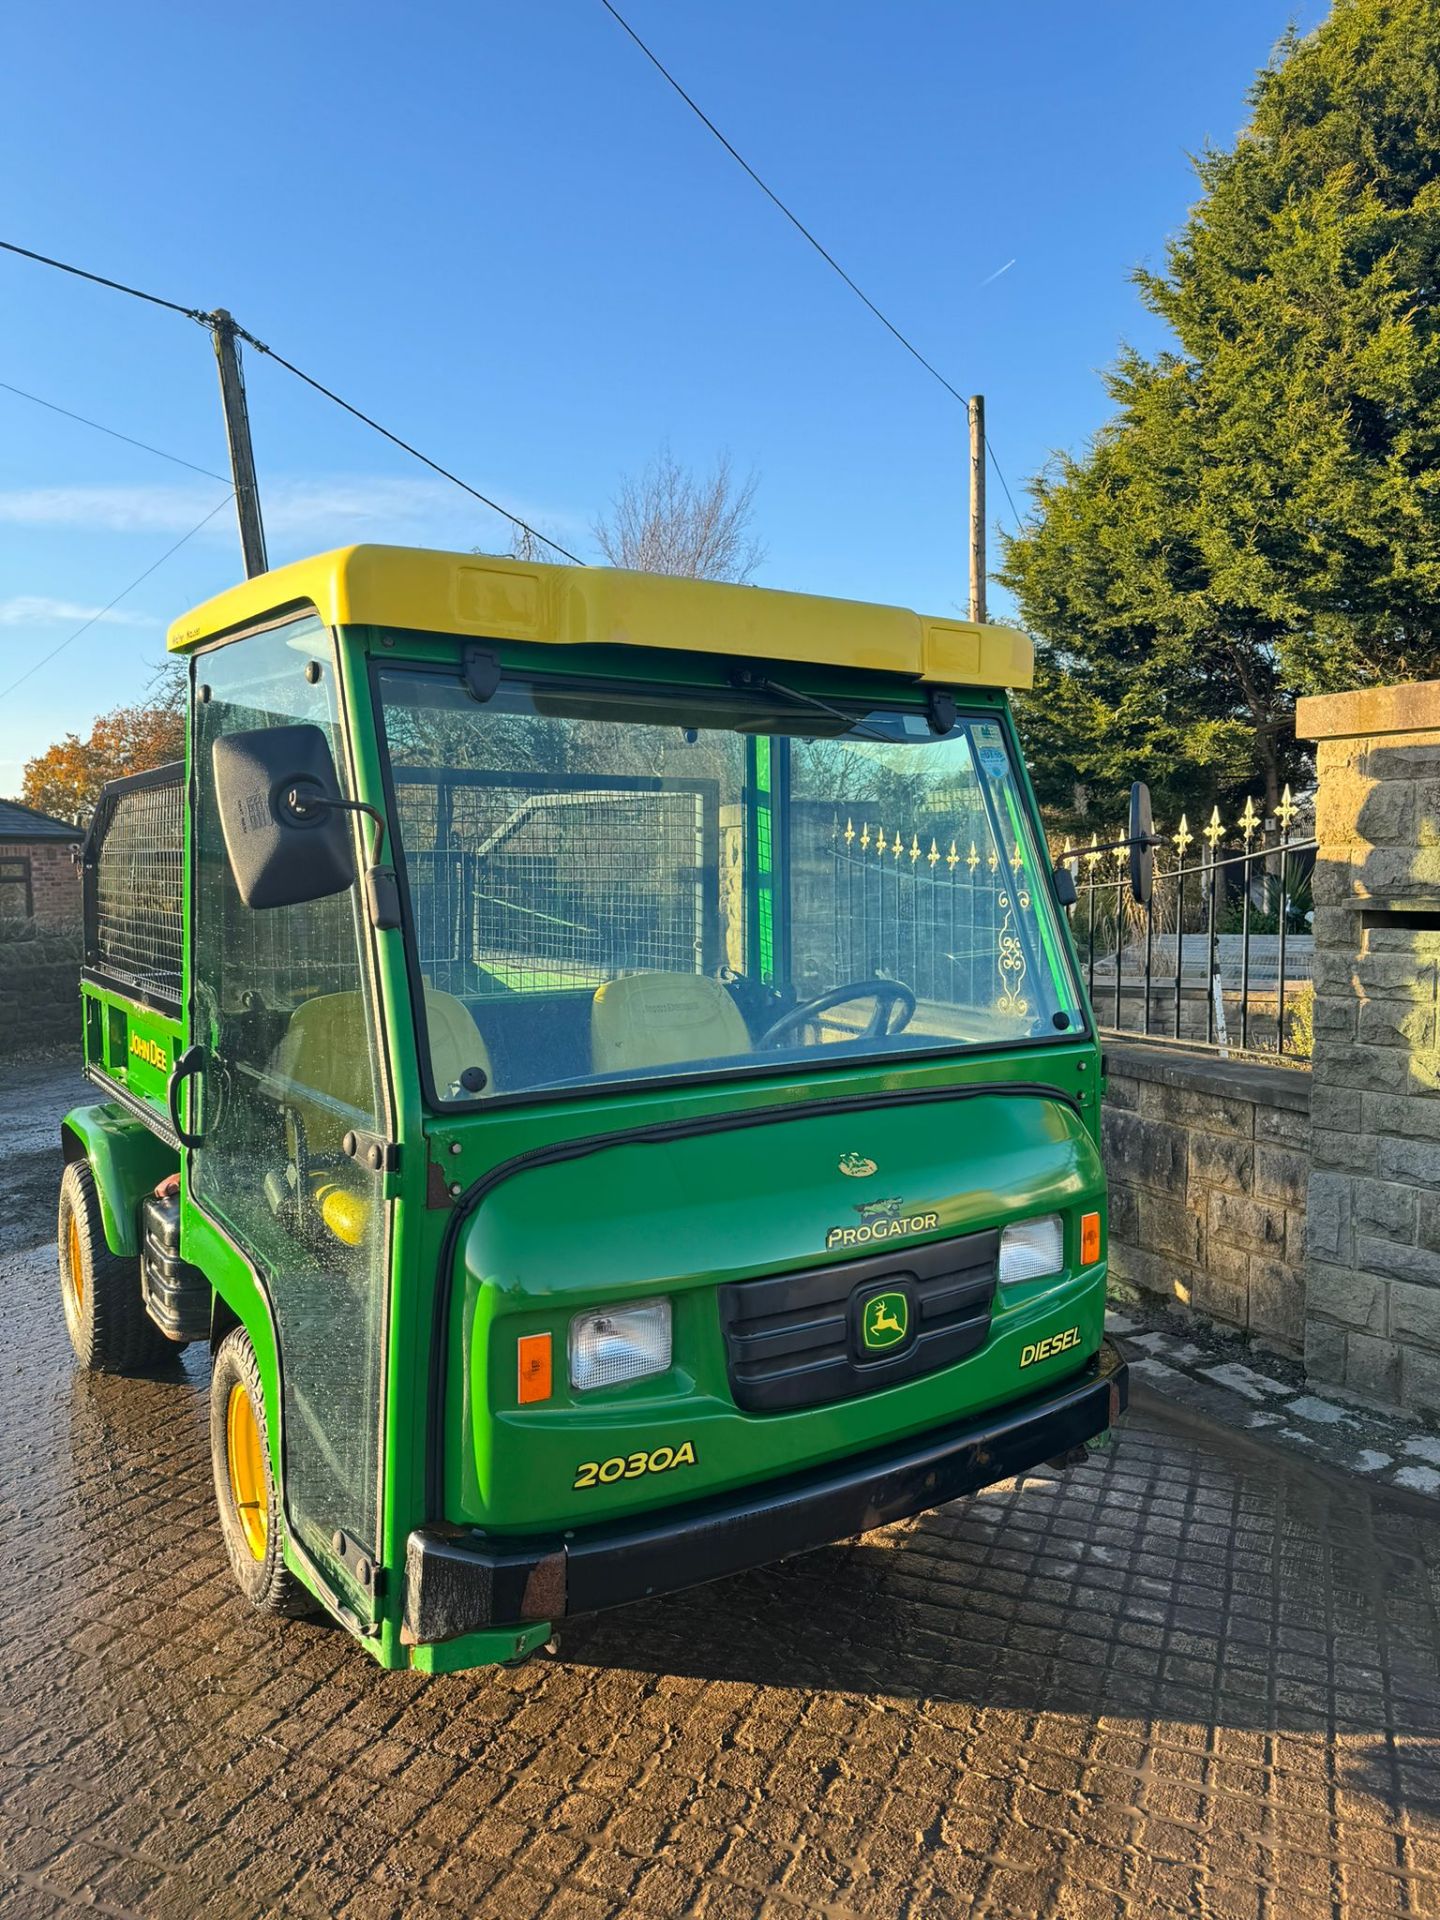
[[1196, 1677], [1219, 1371]]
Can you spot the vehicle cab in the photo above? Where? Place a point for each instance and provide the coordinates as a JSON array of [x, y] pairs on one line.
[[631, 1088]]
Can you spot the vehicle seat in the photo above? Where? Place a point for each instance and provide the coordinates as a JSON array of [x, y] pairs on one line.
[[662, 1020], [455, 1041], [323, 1050]]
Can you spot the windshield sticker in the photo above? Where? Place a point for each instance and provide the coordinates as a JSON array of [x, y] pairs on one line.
[[990, 743], [889, 1228]]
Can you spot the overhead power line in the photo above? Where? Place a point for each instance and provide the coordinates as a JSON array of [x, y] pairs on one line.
[[801, 228], [114, 433], [119, 286], [1004, 483], [124, 592], [208, 320], [771, 195], [405, 446]]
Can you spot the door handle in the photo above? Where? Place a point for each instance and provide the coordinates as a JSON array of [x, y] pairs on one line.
[[191, 1062]]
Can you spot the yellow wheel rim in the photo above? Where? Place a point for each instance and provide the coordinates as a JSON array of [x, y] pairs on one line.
[[245, 1460], [72, 1277]]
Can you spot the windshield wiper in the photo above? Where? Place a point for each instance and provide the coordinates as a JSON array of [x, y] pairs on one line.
[[757, 683]]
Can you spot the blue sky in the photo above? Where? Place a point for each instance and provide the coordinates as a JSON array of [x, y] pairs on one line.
[[495, 227]]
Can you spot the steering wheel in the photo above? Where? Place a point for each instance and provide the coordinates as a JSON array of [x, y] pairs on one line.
[[888, 995]]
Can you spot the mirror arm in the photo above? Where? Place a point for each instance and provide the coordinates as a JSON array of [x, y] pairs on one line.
[[361, 806], [382, 890], [300, 804], [1111, 846]]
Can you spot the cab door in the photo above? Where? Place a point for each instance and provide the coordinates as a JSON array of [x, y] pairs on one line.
[[283, 1006]]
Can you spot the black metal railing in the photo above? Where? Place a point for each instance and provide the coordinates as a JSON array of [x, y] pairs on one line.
[[1223, 955], [935, 912]]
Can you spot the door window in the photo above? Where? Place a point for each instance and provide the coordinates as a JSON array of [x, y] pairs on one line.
[[283, 1006]]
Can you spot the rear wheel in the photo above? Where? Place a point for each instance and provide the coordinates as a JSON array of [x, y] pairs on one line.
[[100, 1291], [251, 1519]]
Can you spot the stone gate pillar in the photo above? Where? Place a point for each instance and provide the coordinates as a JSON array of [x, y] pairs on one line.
[[1372, 1296]]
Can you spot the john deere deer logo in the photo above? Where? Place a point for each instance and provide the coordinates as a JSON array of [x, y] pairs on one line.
[[885, 1321]]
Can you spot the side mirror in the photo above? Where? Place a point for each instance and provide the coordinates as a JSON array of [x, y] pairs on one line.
[[1063, 880], [282, 816], [1142, 845]]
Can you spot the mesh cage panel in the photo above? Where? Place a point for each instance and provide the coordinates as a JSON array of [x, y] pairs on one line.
[[515, 889], [134, 878]]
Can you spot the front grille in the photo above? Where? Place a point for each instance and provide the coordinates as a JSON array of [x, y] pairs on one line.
[[793, 1340]]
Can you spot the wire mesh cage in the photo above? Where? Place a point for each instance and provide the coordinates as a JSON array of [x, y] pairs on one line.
[[516, 886], [133, 884]]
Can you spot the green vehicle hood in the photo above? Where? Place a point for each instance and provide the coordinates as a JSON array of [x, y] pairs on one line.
[[679, 1216], [746, 1200]]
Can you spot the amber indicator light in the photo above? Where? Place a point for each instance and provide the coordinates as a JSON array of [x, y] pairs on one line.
[[1089, 1239], [534, 1356]]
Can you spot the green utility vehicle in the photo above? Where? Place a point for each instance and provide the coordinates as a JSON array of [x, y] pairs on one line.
[[601, 1061]]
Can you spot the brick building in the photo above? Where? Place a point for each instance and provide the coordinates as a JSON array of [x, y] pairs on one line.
[[39, 878]]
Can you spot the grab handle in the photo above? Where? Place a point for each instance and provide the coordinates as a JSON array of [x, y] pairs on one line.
[[190, 1062]]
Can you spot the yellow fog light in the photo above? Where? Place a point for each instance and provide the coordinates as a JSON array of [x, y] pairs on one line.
[[346, 1214]]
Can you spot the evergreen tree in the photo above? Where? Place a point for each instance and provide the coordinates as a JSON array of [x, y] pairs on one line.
[[1261, 517]]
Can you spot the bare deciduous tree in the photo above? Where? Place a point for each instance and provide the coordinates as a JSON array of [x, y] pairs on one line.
[[667, 520], [526, 544]]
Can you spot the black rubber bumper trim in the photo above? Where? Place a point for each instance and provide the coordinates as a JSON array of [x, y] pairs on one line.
[[458, 1582]]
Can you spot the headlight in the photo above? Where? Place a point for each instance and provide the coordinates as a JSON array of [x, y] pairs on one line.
[[1029, 1249], [619, 1343]]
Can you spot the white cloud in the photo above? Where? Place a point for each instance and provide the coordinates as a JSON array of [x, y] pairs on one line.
[[111, 509], [39, 609], [307, 514]]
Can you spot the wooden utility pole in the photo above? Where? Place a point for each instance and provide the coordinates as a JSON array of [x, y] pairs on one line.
[[977, 506], [237, 434]]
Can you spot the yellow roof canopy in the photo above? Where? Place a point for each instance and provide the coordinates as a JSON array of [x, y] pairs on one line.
[[480, 597]]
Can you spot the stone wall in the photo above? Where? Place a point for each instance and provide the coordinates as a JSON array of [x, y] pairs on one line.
[[1373, 1284], [1208, 1162], [39, 990]]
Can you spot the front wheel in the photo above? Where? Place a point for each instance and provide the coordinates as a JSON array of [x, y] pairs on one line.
[[100, 1291], [251, 1520]]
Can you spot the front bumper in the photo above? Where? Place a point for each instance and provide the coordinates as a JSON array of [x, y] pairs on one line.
[[459, 1581]]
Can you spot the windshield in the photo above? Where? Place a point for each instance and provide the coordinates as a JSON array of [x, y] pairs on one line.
[[609, 885]]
